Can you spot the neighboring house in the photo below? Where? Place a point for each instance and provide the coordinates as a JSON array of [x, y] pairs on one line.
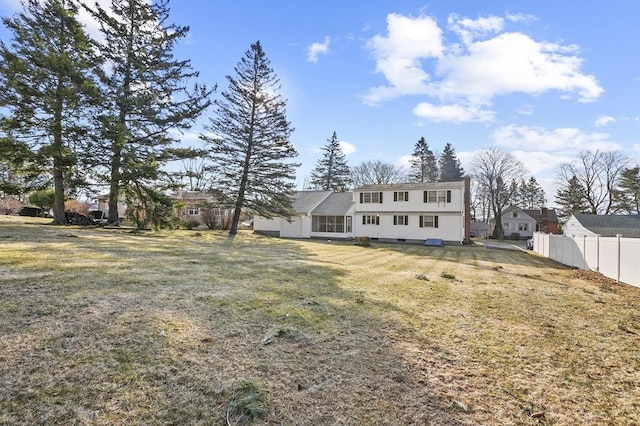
[[480, 229], [411, 212], [546, 220], [316, 214], [589, 225], [191, 204], [516, 221], [102, 205]]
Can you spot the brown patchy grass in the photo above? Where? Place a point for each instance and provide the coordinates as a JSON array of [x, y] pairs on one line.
[[106, 327]]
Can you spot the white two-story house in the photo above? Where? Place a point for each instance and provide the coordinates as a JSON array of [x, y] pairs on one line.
[[411, 212]]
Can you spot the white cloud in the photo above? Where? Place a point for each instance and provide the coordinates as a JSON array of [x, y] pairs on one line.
[[465, 76], [347, 148], [604, 120], [455, 113], [469, 29], [513, 63], [403, 162], [399, 56], [318, 48], [521, 17], [562, 139], [539, 162], [526, 109]]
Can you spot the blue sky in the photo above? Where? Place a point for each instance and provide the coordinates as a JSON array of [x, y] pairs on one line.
[[541, 79]]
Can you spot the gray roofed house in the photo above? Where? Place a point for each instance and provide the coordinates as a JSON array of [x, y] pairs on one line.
[[317, 214], [336, 203], [306, 201], [604, 225]]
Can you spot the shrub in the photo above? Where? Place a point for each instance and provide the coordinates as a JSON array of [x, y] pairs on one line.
[[216, 217], [43, 198], [192, 223], [515, 235], [363, 241], [10, 205], [76, 206]]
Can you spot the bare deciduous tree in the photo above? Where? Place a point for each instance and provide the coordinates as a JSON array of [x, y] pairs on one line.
[[494, 169], [377, 173], [598, 173]]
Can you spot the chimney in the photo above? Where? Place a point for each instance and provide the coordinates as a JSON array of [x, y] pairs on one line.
[[543, 211]]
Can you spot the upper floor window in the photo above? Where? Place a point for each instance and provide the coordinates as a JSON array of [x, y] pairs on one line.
[[443, 196], [514, 214], [401, 196], [400, 220], [370, 197]]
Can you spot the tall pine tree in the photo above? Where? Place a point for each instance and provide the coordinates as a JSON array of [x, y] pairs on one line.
[[251, 143], [530, 194], [331, 171], [147, 96], [46, 90], [424, 164], [627, 194], [572, 198], [450, 168]]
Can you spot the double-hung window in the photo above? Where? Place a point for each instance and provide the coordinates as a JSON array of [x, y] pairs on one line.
[[429, 221], [400, 220], [401, 196], [370, 197], [434, 196], [371, 219]]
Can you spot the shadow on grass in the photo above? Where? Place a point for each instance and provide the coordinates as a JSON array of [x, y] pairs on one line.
[[141, 329]]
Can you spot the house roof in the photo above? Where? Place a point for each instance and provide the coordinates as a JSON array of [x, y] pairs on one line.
[[337, 203], [519, 210], [479, 226], [610, 225], [542, 214], [306, 201], [408, 186]]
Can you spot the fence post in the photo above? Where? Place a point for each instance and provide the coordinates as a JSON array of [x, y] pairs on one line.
[[584, 253], [618, 257], [597, 252]]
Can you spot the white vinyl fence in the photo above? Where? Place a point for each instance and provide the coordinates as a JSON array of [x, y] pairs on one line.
[[615, 257]]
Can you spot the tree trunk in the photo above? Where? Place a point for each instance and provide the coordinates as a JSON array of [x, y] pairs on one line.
[[114, 188]]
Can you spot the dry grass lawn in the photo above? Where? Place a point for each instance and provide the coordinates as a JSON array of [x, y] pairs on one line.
[[107, 327]]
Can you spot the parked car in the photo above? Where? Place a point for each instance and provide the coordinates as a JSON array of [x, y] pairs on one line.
[[530, 244]]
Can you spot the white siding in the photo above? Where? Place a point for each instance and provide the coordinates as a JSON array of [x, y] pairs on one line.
[[450, 213], [573, 227]]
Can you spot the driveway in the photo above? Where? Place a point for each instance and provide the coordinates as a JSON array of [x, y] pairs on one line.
[[502, 245]]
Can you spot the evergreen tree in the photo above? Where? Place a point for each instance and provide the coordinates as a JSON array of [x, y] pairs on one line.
[[147, 96], [627, 195], [46, 90], [424, 165], [251, 145], [531, 195], [450, 168], [572, 198], [331, 171]]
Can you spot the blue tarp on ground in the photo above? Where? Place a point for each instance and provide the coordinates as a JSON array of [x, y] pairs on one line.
[[434, 242]]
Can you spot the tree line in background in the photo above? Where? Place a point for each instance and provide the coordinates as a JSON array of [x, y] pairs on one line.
[[332, 172], [77, 112]]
